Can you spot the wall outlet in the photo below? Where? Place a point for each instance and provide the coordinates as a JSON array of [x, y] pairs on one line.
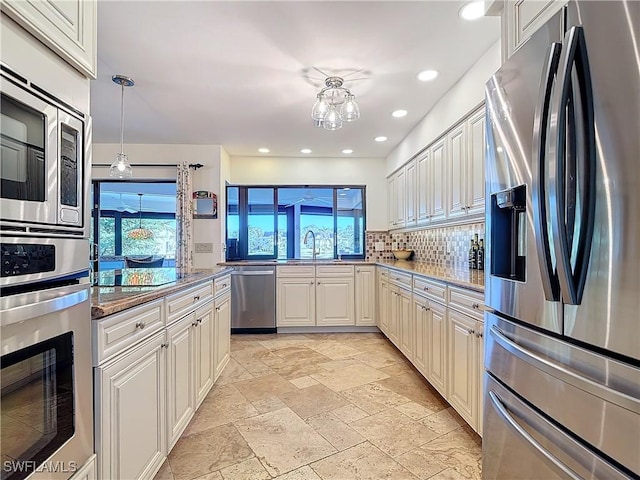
[[204, 248], [379, 246]]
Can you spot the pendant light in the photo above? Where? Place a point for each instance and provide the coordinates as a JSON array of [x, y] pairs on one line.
[[140, 233], [120, 168]]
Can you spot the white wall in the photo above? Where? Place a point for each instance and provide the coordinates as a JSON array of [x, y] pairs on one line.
[[319, 171], [209, 177], [460, 100]]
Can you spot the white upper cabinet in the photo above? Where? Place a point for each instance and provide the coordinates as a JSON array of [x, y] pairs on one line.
[[521, 18], [401, 192], [410, 197], [457, 171], [68, 27], [422, 191], [476, 147], [437, 184]]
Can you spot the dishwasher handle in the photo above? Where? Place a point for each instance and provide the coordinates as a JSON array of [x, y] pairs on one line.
[[254, 273]]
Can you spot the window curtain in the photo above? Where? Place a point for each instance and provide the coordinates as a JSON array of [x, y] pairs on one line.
[[184, 220]]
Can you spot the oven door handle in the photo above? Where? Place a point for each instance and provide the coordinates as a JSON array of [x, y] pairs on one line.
[[63, 301]]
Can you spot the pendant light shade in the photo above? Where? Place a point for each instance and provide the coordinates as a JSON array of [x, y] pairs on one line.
[[140, 233], [335, 105], [121, 168]]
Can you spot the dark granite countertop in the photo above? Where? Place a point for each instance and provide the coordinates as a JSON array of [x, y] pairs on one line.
[[142, 286]]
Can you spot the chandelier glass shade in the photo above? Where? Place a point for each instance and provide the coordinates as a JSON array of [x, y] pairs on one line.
[[335, 105], [121, 168], [140, 233]]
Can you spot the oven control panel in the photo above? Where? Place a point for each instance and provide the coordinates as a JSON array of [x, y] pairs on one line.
[[28, 258]]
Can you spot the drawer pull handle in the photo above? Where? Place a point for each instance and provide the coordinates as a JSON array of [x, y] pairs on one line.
[[217, 309], [199, 320], [164, 345], [140, 325], [319, 283], [311, 283], [194, 324], [224, 285], [358, 270], [471, 331], [426, 289], [475, 306], [479, 334], [196, 298]]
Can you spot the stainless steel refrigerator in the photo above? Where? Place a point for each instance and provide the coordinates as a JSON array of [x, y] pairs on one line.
[[562, 368]]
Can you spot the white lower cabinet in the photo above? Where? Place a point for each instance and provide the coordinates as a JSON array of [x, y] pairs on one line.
[[421, 325], [394, 315], [222, 332], [366, 295], [407, 325], [322, 297], [384, 300], [462, 362], [296, 302], [130, 411], [148, 390], [335, 301], [437, 347], [181, 373]]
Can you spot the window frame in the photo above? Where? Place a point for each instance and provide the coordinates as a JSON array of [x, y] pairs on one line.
[[243, 226]]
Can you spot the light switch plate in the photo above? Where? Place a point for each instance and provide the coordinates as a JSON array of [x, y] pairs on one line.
[[204, 247], [379, 246]]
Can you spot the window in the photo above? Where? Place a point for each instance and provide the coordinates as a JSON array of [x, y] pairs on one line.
[[119, 213], [272, 222]]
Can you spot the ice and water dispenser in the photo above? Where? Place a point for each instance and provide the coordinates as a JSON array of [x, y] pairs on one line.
[[509, 233]]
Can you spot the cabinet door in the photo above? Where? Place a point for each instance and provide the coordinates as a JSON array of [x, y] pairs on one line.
[[130, 412], [181, 376], [422, 189], [456, 172], [335, 301], [462, 366], [205, 352], [391, 201], [366, 295], [437, 183], [475, 163], [296, 302], [68, 27], [407, 327], [394, 315], [222, 332], [437, 359], [410, 197], [420, 320], [383, 314], [401, 193], [480, 373]]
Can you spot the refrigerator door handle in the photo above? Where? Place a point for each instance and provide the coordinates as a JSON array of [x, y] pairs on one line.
[[550, 282], [578, 380], [574, 83], [511, 422]]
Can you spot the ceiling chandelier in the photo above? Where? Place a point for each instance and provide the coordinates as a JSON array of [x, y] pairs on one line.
[[140, 233], [121, 168], [335, 105]]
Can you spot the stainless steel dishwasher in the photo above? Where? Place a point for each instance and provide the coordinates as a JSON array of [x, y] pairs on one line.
[[253, 299]]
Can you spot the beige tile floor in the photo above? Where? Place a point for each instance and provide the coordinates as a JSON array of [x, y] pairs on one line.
[[323, 406]]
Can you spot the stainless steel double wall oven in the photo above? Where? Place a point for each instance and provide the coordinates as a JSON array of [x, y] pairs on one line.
[[46, 422]]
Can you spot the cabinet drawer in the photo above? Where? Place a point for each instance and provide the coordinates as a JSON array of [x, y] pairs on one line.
[[401, 279], [430, 288], [222, 284], [114, 333], [383, 273], [183, 302], [296, 271], [467, 301], [334, 271]]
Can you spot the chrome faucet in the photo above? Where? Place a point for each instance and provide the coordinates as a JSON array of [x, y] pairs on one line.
[[306, 237]]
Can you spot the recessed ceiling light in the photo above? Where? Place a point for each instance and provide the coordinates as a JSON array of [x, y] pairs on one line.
[[472, 10], [305, 150], [264, 150], [399, 113], [427, 75], [347, 150], [381, 138]]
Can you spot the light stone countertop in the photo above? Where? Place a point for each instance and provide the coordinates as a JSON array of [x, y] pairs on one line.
[[108, 300]]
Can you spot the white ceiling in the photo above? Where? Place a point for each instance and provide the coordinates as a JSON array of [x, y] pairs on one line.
[[232, 73]]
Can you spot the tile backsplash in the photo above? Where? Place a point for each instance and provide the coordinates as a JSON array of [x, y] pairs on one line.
[[448, 244]]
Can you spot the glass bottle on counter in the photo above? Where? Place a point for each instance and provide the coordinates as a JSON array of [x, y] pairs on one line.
[[480, 259], [473, 256]]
